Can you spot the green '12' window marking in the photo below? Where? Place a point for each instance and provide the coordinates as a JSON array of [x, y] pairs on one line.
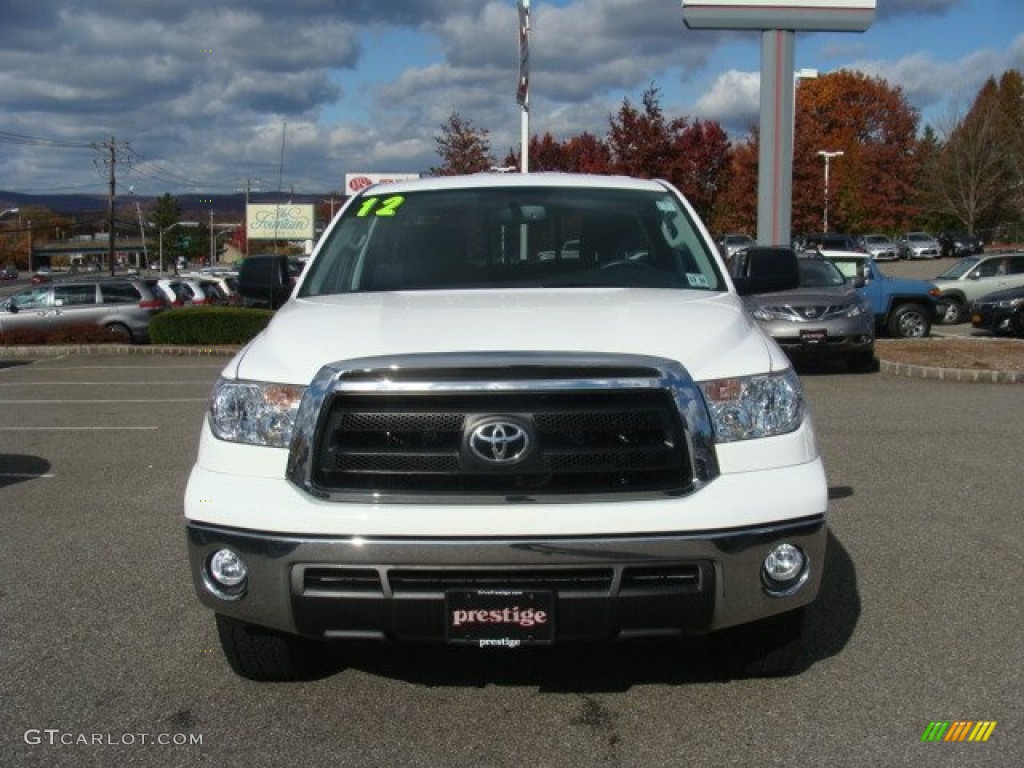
[[388, 207]]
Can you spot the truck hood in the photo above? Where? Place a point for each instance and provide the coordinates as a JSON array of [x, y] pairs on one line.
[[710, 334]]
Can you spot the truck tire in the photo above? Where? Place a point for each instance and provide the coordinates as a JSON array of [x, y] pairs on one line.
[[954, 311], [909, 321], [772, 647], [263, 655]]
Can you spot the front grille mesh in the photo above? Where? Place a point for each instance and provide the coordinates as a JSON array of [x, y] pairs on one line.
[[330, 580], [594, 442]]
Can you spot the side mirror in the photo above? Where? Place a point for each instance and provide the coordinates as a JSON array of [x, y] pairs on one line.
[[764, 269], [265, 281], [859, 281]]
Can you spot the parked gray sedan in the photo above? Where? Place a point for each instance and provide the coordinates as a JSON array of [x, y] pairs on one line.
[[825, 317]]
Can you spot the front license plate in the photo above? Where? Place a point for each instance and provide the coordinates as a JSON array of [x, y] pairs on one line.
[[814, 337], [975, 318], [500, 617]]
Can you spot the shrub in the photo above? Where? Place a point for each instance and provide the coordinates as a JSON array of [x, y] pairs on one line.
[[74, 334], [208, 325]]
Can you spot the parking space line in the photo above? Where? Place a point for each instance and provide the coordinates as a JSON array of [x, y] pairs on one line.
[[77, 429], [119, 400], [174, 383]]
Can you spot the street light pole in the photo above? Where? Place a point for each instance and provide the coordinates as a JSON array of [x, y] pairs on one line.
[[828, 155]]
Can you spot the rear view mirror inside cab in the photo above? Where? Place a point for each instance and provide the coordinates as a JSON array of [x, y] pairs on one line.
[[523, 214]]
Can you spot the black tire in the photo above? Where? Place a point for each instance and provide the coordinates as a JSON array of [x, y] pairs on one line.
[[1017, 323], [264, 655], [119, 333], [954, 311], [861, 362], [772, 647], [910, 321]]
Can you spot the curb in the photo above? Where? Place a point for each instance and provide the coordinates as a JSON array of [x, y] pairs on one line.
[[115, 349], [950, 374]]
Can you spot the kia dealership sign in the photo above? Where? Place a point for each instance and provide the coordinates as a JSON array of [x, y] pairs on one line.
[[356, 182], [279, 222]]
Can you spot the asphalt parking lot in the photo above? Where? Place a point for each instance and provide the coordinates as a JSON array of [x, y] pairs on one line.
[[107, 658]]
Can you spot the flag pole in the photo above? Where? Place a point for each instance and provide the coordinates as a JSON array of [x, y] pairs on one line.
[[523, 91]]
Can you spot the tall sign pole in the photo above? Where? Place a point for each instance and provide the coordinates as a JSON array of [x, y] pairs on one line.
[[523, 91], [778, 23]]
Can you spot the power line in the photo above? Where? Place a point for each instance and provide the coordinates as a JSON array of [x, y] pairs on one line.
[[8, 137]]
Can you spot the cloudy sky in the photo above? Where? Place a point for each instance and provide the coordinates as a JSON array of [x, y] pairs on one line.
[[200, 96]]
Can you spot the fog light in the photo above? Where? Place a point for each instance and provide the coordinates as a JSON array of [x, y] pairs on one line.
[[784, 569], [225, 574]]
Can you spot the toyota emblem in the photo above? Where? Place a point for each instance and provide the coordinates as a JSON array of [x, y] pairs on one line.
[[499, 442]]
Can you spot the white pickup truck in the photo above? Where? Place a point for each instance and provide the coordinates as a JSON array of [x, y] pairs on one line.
[[503, 410]]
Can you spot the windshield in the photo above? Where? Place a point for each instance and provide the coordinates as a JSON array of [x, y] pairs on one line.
[[540, 237], [818, 273], [959, 269]]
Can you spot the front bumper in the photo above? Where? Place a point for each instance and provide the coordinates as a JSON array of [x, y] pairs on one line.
[[603, 587], [991, 318]]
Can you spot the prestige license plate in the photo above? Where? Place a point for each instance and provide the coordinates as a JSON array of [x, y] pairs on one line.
[[500, 617]]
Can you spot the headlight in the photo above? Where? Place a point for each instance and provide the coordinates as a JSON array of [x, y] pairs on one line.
[[255, 413], [754, 406], [855, 310], [764, 313], [1010, 303]]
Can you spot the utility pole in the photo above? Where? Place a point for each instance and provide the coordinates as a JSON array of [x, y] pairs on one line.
[[110, 206], [247, 188]]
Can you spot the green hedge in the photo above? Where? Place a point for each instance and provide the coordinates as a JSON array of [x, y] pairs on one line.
[[208, 325]]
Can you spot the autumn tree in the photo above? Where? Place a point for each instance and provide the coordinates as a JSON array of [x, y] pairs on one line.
[[735, 208], [699, 163], [463, 147], [694, 157], [578, 154], [873, 185], [975, 177], [588, 154], [640, 142]]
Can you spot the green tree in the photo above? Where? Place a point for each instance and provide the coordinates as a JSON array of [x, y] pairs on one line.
[[165, 213], [463, 147]]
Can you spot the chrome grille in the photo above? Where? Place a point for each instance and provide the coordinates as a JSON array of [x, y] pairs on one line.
[[413, 429]]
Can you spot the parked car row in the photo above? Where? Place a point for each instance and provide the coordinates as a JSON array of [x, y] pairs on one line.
[[121, 306], [911, 245]]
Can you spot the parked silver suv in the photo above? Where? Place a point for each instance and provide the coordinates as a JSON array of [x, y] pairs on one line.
[[973, 277], [120, 306]]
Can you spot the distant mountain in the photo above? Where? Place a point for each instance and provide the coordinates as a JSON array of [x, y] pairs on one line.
[[193, 206]]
